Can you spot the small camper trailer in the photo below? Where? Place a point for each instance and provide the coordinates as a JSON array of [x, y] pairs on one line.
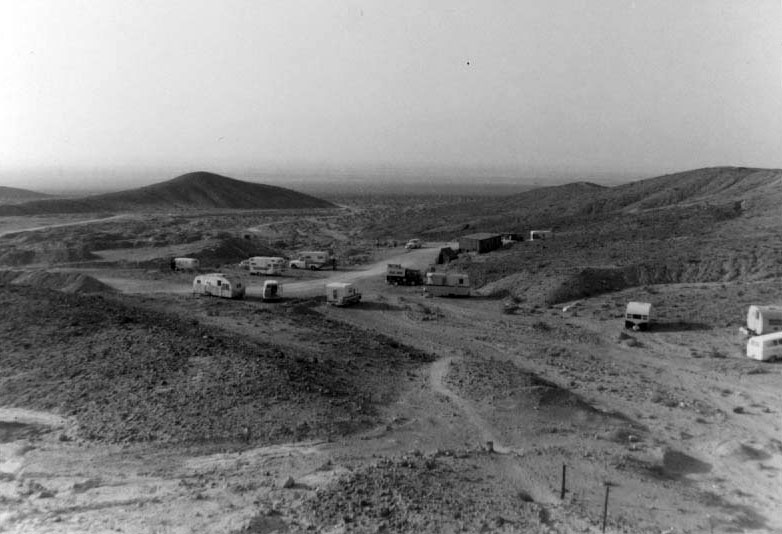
[[764, 319], [185, 264], [638, 315], [272, 290], [259, 265], [766, 347], [447, 284], [342, 294], [218, 285], [535, 235]]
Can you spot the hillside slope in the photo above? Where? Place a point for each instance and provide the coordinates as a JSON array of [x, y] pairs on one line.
[[197, 190], [712, 194], [14, 195]]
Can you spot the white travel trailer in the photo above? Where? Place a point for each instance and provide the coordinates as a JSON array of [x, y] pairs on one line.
[[540, 234], [447, 284], [310, 259], [764, 319], [218, 285], [638, 315], [185, 264], [272, 290], [259, 265], [766, 347], [342, 294]]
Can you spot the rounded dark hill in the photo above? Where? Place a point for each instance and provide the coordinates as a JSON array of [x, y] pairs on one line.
[[208, 190], [14, 195], [197, 190]]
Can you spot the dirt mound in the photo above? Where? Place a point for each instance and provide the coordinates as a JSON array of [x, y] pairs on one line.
[[128, 373], [40, 253], [233, 250], [65, 282], [199, 190], [497, 380], [417, 493]]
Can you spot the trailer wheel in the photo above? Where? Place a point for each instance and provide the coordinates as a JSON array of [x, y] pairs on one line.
[[294, 266]]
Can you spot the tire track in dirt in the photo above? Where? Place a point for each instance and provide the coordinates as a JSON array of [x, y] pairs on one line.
[[531, 482]]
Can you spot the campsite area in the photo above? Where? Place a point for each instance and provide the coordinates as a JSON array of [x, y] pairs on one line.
[[130, 405]]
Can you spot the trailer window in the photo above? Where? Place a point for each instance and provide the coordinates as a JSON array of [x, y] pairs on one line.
[[219, 283]]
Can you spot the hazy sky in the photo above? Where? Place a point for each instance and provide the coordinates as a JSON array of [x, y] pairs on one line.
[[101, 88]]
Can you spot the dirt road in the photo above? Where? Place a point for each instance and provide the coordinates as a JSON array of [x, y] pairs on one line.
[[417, 258], [25, 228]]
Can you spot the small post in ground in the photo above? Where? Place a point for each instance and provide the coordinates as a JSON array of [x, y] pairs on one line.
[[605, 505], [562, 493]]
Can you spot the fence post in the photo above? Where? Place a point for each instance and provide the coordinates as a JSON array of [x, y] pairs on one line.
[[605, 506], [562, 493]]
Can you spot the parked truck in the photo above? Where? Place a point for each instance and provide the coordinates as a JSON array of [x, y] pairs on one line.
[[447, 284], [311, 259], [397, 275]]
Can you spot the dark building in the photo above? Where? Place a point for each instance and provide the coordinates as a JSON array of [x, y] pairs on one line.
[[480, 243]]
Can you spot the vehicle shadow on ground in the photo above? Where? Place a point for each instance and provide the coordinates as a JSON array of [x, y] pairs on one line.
[[368, 305], [679, 326]]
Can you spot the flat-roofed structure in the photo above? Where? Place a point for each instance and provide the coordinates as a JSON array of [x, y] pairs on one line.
[[480, 243]]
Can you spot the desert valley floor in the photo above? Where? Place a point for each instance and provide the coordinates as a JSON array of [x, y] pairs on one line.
[[127, 404]]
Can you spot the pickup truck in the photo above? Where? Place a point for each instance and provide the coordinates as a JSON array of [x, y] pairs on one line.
[[413, 243], [304, 264]]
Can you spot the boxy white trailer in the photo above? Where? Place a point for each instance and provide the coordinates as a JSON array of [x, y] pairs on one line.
[[185, 264], [638, 315], [272, 265], [764, 319], [447, 284], [342, 294], [218, 285], [540, 234], [766, 347]]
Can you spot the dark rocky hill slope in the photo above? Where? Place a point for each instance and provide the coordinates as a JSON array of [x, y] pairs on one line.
[[197, 190]]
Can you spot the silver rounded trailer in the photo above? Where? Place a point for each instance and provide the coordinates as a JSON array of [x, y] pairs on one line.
[[218, 285], [764, 319], [638, 315]]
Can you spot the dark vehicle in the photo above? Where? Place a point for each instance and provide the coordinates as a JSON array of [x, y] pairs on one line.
[[400, 276]]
